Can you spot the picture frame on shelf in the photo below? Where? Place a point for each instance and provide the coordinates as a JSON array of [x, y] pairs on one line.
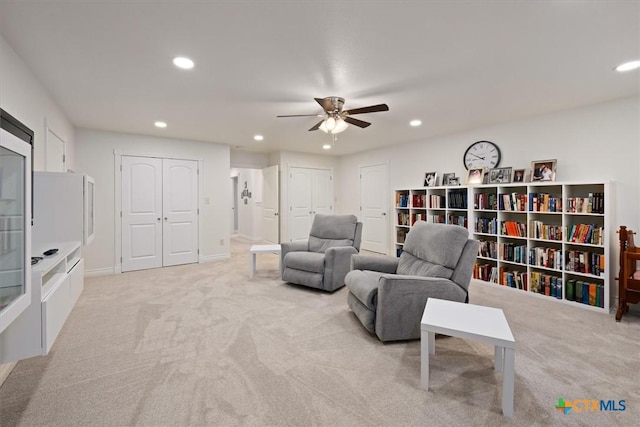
[[543, 170], [475, 176], [519, 175], [500, 175], [454, 181], [446, 177], [431, 179]]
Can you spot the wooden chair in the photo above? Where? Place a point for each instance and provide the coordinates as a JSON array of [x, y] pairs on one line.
[[629, 277]]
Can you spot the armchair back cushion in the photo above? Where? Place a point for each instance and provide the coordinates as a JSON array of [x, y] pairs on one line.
[[432, 250], [328, 231]]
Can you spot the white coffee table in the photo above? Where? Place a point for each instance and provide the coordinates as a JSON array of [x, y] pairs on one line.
[[260, 249], [474, 322]]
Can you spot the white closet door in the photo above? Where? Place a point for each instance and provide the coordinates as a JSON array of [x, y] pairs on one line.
[[180, 212], [374, 205], [322, 191], [270, 207], [300, 208], [141, 213]]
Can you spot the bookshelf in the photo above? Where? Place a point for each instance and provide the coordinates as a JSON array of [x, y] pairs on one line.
[[547, 239]]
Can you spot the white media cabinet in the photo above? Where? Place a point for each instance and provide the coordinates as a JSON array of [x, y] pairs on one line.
[[57, 282], [539, 243]]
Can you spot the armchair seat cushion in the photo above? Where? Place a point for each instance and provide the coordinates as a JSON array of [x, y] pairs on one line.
[[363, 284], [312, 262]]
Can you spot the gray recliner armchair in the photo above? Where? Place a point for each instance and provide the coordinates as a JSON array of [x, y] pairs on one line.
[[322, 261], [388, 294]]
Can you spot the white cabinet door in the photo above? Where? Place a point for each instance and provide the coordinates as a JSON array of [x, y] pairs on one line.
[[141, 213], [300, 207], [270, 207], [374, 205], [180, 211]]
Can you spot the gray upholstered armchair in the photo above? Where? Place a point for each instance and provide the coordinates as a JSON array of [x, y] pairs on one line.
[[388, 294], [322, 261]]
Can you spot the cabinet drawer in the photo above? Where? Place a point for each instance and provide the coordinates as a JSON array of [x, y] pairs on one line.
[[55, 309]]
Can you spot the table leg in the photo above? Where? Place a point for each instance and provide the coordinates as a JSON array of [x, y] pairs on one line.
[[508, 382], [498, 358], [427, 347], [252, 265]]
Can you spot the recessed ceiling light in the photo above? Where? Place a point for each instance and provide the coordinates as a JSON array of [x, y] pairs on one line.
[[327, 146], [258, 137], [628, 66], [160, 124], [182, 62], [415, 123]]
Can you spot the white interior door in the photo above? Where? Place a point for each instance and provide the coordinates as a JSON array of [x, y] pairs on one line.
[[54, 153], [322, 191], [180, 212], [270, 205], [374, 207], [300, 208], [141, 213]]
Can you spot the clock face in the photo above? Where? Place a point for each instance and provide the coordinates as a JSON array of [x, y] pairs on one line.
[[481, 154]]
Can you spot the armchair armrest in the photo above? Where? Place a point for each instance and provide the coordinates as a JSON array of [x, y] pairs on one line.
[[383, 264], [287, 247], [401, 302], [336, 265]]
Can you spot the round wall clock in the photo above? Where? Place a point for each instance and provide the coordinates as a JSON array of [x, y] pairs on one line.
[[481, 154]]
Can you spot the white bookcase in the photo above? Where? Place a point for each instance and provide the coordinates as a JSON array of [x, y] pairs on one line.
[[548, 239]]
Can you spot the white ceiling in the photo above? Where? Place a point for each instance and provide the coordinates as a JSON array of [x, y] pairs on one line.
[[456, 65]]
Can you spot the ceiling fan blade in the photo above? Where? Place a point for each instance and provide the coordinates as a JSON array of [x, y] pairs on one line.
[[302, 115], [356, 122], [370, 109], [325, 103], [316, 126]]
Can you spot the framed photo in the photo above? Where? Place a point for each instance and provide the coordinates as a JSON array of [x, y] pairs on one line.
[[543, 170], [475, 176], [454, 180], [446, 177], [519, 175], [430, 179], [500, 175]]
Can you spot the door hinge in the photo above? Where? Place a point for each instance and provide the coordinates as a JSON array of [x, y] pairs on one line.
[[290, 208], [64, 158], [120, 260], [198, 251], [197, 171], [198, 211], [120, 168], [120, 214]]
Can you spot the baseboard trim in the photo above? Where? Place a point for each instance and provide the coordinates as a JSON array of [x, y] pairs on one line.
[[211, 258], [99, 272], [5, 370]]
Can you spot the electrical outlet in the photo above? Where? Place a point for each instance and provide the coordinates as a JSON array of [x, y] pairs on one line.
[[221, 242]]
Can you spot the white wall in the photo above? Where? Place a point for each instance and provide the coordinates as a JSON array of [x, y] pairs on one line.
[[95, 153], [285, 160], [22, 96], [597, 143], [248, 160]]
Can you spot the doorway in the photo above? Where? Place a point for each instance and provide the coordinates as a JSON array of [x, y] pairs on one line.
[[159, 212]]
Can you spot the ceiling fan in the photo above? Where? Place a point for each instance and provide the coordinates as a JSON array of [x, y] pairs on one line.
[[336, 119]]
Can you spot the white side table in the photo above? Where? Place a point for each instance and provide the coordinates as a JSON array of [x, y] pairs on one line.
[[260, 249], [474, 322]]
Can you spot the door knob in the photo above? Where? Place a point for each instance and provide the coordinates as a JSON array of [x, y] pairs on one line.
[[384, 213], [165, 218], [158, 219], [276, 214]]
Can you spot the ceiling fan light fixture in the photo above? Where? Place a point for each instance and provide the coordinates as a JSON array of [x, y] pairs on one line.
[[340, 126]]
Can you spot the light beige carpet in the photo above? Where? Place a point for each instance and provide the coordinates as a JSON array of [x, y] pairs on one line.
[[206, 345]]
